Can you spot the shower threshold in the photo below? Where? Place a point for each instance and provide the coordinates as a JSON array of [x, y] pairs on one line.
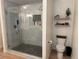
[[30, 49]]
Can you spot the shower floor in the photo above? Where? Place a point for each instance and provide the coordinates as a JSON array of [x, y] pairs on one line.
[[29, 49]]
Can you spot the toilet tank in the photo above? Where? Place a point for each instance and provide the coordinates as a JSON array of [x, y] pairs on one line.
[[61, 40]]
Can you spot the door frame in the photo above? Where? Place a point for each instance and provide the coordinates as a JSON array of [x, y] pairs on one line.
[[44, 29], [3, 27]]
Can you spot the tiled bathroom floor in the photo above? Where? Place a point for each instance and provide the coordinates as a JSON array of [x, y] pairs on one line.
[[30, 49]]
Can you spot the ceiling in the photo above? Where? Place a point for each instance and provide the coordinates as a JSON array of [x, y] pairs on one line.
[[21, 2]]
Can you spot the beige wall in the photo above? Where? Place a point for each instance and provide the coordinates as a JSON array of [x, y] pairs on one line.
[[0, 37], [75, 41], [0, 29], [75, 33]]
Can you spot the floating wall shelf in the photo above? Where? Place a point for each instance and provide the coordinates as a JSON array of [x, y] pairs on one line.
[[61, 23], [64, 18]]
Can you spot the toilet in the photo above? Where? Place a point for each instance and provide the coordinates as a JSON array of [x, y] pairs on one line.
[[60, 47]]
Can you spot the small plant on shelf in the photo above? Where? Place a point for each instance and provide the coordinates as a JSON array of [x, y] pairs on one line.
[[58, 18]]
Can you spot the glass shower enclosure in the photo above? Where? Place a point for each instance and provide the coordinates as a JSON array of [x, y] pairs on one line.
[[24, 27]]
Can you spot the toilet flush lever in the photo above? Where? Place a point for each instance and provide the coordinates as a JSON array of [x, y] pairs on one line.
[[50, 42]]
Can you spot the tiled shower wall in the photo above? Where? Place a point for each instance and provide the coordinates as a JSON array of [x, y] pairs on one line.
[[12, 36], [31, 34], [11, 15]]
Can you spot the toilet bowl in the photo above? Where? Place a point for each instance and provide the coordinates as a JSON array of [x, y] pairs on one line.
[[60, 47]]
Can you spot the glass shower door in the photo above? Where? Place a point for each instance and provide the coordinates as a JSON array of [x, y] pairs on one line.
[[24, 29]]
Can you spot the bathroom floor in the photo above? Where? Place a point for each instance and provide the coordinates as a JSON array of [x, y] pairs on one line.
[[9, 56], [30, 49], [53, 55]]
